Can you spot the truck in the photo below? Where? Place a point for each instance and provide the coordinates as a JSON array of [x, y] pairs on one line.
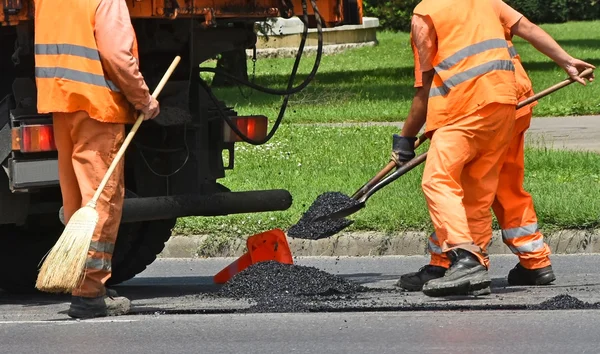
[[174, 163]]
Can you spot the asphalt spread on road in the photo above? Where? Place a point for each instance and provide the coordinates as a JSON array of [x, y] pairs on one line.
[[286, 288]]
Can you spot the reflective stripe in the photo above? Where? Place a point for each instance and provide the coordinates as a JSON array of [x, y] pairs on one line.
[[434, 236], [104, 247], [513, 51], [517, 232], [470, 51], [98, 264], [459, 78], [432, 247], [67, 49], [528, 247], [75, 75]]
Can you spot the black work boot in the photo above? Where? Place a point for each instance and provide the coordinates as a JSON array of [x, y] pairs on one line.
[[466, 276], [520, 275], [101, 306], [414, 281]]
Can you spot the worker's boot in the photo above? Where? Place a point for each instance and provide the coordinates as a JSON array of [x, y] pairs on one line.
[[466, 276], [106, 305], [414, 281], [520, 275]]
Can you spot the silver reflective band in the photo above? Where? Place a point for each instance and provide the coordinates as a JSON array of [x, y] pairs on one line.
[[459, 78], [67, 49], [98, 264], [75, 75], [433, 248], [434, 236], [104, 247], [470, 51], [528, 247], [512, 51], [516, 232]]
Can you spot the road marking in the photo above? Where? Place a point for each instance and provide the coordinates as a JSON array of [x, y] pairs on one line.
[[63, 322]]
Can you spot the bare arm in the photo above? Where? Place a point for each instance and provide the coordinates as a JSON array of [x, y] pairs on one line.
[[418, 110], [544, 43]]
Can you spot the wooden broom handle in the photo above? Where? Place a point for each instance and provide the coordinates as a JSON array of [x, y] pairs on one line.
[[132, 132]]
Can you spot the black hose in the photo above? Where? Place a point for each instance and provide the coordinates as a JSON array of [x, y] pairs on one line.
[[290, 83], [290, 90]]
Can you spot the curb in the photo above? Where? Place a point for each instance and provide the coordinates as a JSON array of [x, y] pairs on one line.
[[369, 244]]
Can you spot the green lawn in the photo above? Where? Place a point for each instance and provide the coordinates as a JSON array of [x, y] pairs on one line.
[[311, 160], [375, 83]]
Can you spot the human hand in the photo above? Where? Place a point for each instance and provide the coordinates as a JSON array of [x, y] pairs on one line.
[[151, 110], [575, 66]]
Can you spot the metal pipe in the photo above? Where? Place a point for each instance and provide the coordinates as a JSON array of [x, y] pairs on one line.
[[223, 203]]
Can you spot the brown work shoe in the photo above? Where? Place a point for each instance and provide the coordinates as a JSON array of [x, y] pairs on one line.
[[90, 307]]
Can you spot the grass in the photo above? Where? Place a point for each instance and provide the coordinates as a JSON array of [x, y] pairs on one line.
[[375, 83], [311, 160]]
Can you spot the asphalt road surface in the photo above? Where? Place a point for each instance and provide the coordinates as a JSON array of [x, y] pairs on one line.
[[175, 311]]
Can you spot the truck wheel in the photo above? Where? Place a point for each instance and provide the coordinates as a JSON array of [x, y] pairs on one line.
[[22, 249], [24, 246], [137, 247]]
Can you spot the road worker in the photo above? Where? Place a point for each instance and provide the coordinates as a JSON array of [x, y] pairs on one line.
[[88, 78], [466, 161]]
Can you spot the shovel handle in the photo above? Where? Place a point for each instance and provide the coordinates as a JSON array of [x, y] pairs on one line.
[[549, 90], [390, 166], [374, 184]]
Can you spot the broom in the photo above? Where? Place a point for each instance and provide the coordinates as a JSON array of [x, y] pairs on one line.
[[63, 268]]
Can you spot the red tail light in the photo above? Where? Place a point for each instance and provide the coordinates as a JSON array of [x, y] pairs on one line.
[[254, 127], [34, 138]]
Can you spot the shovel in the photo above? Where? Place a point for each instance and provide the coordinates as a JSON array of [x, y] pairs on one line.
[[376, 183]]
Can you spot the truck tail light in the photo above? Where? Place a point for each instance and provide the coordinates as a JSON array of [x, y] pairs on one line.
[[254, 127], [33, 138]]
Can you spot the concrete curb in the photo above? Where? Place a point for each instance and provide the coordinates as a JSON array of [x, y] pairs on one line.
[[370, 244]]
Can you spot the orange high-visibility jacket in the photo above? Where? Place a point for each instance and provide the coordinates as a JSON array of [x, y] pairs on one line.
[[68, 71], [472, 65], [524, 85]]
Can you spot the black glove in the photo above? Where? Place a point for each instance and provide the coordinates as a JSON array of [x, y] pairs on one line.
[[403, 149]]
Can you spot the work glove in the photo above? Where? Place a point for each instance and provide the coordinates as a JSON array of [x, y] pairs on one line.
[[151, 110], [403, 149]]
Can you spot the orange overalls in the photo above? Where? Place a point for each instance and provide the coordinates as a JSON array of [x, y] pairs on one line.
[[88, 77], [470, 117], [513, 206]]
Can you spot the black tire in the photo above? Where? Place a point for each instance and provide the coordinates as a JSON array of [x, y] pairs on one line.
[[137, 247], [22, 249], [24, 246]]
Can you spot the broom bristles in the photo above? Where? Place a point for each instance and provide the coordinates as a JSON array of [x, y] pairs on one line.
[[63, 267]]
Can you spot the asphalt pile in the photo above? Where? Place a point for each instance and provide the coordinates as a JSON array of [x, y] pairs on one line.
[[325, 204], [565, 302], [278, 287]]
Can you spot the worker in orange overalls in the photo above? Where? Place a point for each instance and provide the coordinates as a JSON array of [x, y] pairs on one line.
[[88, 77], [513, 206], [465, 161]]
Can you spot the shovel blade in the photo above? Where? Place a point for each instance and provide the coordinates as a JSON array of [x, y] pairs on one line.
[[342, 213]]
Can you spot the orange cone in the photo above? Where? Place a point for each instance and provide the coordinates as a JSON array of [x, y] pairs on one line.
[[270, 245]]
